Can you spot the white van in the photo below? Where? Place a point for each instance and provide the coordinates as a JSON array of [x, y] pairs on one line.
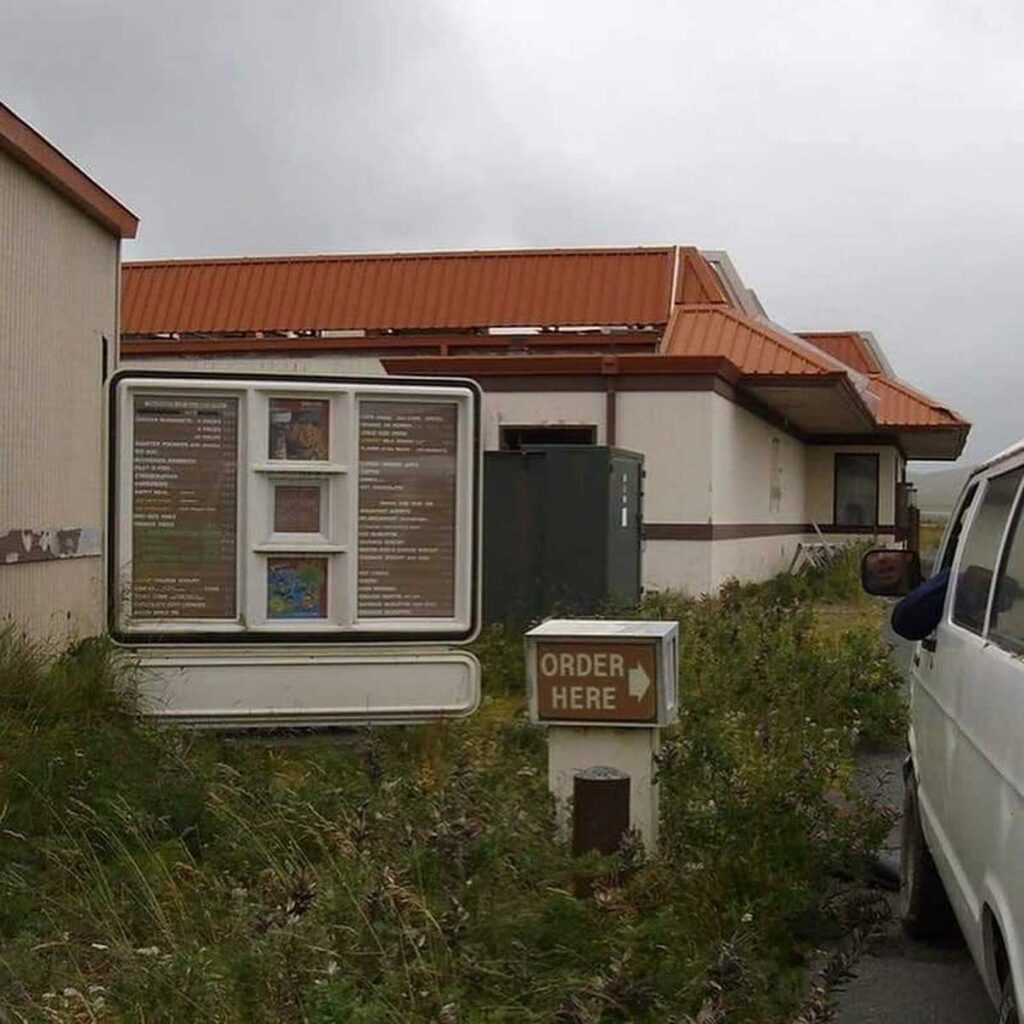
[[963, 832]]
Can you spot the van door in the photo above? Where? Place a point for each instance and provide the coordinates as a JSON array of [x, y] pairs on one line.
[[987, 812], [959, 827], [932, 696]]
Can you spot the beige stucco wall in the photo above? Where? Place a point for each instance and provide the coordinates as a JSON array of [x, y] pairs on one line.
[[706, 459], [356, 365], [59, 275], [752, 559], [749, 456], [673, 430], [678, 565]]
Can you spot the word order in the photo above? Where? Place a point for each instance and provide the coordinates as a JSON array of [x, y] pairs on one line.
[[580, 665]]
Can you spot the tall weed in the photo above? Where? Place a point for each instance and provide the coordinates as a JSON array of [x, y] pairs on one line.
[[412, 875]]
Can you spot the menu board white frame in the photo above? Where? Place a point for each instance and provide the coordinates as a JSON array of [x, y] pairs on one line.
[[257, 542]]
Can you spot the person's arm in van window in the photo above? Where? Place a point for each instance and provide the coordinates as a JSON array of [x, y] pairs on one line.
[[917, 615]]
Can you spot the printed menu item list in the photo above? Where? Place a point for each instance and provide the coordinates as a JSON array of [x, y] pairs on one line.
[[184, 507], [407, 509]]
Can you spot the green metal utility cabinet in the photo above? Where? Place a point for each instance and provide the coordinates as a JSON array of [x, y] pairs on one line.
[[562, 531]]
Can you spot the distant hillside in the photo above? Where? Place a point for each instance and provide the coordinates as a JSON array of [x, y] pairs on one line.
[[937, 491]]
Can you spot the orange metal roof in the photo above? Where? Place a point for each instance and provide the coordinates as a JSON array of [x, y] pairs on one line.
[[454, 291], [753, 346], [44, 160], [418, 291], [902, 406], [849, 347]]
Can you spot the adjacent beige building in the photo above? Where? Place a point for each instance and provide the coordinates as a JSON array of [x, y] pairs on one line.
[[60, 266]]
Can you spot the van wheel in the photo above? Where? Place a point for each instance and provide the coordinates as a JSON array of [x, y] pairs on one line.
[[924, 906], [1008, 1004]]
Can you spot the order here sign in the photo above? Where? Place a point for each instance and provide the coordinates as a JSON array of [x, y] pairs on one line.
[[602, 672]]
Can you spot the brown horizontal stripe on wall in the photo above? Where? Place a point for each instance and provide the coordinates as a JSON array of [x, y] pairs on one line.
[[740, 531], [866, 531], [677, 531]]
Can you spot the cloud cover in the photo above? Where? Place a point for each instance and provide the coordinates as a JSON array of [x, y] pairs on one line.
[[861, 161]]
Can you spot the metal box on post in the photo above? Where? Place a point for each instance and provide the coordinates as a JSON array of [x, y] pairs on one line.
[[604, 689], [600, 672], [563, 529]]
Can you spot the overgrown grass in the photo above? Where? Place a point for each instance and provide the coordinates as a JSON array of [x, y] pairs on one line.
[[412, 876]]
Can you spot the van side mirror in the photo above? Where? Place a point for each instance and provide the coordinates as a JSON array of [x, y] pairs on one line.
[[890, 572]]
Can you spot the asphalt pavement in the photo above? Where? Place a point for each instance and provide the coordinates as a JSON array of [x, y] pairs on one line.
[[898, 980]]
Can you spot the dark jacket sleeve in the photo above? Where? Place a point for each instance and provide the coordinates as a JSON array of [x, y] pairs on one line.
[[919, 612]]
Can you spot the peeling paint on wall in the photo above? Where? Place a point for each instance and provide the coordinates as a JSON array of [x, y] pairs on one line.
[[17, 546]]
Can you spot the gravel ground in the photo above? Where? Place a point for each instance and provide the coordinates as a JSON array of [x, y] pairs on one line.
[[899, 980]]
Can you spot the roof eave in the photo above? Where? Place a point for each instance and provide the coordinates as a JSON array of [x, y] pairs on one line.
[[932, 443], [43, 159], [831, 403], [561, 365]]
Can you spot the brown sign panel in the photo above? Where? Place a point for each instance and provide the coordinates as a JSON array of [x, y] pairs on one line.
[[184, 507], [296, 509], [407, 477], [596, 681]]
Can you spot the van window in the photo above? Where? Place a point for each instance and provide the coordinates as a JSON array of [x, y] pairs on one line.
[[1007, 627], [949, 553], [978, 561]]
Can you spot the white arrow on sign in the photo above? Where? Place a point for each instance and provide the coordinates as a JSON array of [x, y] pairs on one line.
[[639, 682]]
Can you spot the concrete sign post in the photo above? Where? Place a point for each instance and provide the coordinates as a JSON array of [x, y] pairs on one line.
[[604, 689]]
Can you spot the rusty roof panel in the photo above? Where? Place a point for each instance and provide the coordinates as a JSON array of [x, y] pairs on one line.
[[697, 283], [902, 406], [400, 292], [848, 347], [754, 347]]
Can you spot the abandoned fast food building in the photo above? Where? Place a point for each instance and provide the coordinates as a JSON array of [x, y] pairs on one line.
[[60, 270], [755, 439]]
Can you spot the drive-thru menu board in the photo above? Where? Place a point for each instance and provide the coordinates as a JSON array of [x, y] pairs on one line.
[[317, 508], [184, 507], [407, 478]]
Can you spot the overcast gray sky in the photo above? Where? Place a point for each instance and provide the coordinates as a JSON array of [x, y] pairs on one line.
[[862, 162]]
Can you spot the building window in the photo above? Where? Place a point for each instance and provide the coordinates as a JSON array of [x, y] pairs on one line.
[[513, 439], [856, 490]]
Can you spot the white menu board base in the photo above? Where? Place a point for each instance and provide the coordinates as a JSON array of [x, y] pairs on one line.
[[249, 686]]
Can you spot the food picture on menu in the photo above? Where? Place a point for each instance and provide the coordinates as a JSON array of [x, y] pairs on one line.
[[299, 429], [297, 588]]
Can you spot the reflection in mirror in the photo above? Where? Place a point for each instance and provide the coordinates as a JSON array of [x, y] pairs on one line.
[[890, 572]]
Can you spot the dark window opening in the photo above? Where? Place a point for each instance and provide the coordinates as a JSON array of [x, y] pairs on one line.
[[513, 439], [856, 490]]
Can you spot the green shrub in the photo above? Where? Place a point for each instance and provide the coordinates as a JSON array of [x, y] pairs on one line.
[[412, 875]]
